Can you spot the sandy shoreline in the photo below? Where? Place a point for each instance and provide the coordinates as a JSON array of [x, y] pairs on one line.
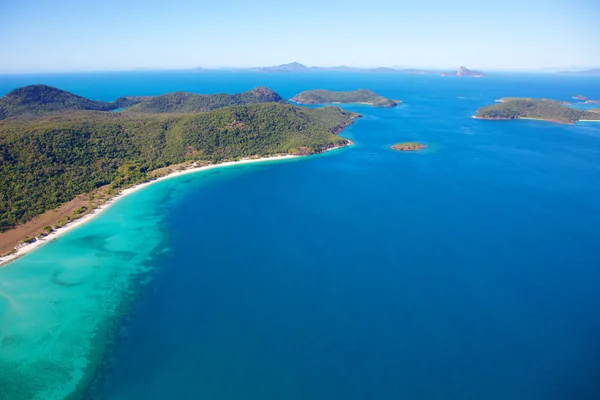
[[26, 248]]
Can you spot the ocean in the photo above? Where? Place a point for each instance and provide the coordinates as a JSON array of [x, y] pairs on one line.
[[468, 270]]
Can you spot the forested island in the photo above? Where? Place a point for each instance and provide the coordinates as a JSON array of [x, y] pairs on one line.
[[52, 150], [541, 109], [362, 96], [408, 146]]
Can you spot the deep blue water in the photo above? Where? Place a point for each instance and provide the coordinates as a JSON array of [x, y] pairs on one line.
[[469, 270]]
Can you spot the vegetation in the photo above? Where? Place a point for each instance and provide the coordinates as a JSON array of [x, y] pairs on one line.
[[321, 96], [182, 102], [48, 160], [41, 99], [36, 100], [545, 109], [408, 146]]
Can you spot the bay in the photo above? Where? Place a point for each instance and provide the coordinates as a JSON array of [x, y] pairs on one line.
[[466, 270]]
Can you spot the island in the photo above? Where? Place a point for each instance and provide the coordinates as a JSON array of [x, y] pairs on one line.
[[589, 72], [286, 68], [62, 155], [362, 96], [586, 100], [464, 71], [409, 146], [296, 67], [512, 108]]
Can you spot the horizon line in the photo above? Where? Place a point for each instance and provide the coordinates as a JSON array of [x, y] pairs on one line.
[[199, 68]]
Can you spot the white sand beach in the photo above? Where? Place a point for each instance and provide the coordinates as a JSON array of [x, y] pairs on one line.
[[26, 248]]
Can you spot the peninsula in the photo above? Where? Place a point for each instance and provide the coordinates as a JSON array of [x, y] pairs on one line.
[[41, 99], [58, 164], [362, 96], [408, 146], [539, 109]]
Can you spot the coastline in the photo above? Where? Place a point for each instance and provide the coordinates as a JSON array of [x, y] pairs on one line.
[[23, 249]]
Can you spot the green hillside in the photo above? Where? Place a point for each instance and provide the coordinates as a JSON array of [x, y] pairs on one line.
[[545, 109], [182, 102], [321, 96], [41, 99], [46, 161]]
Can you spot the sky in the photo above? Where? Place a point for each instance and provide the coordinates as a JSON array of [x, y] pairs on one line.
[[68, 35]]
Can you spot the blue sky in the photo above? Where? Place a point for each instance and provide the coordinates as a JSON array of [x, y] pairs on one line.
[[66, 35]]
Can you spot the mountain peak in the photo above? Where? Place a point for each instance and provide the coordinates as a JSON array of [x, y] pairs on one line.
[[290, 67], [464, 71], [266, 94]]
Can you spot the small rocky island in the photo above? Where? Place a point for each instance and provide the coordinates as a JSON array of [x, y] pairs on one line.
[[511, 108], [362, 96], [408, 146], [464, 71]]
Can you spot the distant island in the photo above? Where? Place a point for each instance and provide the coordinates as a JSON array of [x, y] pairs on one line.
[[464, 71], [539, 109], [586, 100], [62, 155], [362, 96], [589, 72], [409, 146], [296, 67], [291, 67]]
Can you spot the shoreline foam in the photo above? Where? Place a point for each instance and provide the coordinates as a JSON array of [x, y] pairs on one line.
[[26, 248]]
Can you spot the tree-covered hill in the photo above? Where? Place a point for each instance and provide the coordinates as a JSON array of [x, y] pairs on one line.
[[48, 160], [35, 100], [41, 99], [321, 96], [545, 109], [182, 102]]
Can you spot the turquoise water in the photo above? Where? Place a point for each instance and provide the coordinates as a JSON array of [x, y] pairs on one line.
[[469, 270]]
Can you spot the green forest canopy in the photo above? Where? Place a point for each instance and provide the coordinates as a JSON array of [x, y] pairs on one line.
[[515, 108], [321, 96], [48, 160], [36, 100]]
